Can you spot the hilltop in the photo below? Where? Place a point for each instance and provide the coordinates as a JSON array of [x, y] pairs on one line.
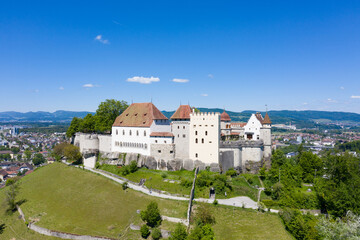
[[73, 200]]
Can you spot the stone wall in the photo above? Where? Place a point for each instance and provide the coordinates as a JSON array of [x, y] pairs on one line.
[[104, 143], [162, 151]]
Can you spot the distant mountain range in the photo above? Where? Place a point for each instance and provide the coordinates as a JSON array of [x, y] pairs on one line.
[[58, 116], [299, 118]]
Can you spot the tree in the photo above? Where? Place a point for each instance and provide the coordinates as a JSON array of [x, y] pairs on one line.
[[231, 172], [144, 231], [10, 196], [310, 163], [74, 127], [107, 112], [179, 233], [28, 154], [133, 166], [87, 125], [151, 215], [38, 159], [156, 234], [71, 152]]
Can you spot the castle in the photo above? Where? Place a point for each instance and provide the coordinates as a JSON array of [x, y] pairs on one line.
[[187, 140]]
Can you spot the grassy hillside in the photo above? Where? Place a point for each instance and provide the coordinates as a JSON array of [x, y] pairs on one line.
[[72, 200]]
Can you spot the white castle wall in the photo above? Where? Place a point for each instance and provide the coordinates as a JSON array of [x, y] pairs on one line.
[[204, 137], [131, 140], [163, 151], [253, 126], [254, 154], [104, 143], [181, 131]]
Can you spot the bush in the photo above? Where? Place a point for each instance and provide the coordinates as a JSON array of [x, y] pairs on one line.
[[269, 203], [215, 202], [156, 234], [97, 165], [231, 172], [179, 233], [145, 232], [133, 167], [125, 186], [151, 215], [204, 215], [185, 183], [164, 175]]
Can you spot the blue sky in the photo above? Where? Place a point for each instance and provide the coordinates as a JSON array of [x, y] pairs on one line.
[[239, 55]]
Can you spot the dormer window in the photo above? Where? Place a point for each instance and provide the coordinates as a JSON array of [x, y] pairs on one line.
[[127, 114], [135, 114]]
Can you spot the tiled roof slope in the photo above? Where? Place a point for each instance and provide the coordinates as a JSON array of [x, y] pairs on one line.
[[225, 117], [259, 117], [267, 119], [183, 112], [161, 134], [139, 115]]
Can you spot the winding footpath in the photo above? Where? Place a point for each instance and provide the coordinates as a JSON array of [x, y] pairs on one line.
[[244, 202]]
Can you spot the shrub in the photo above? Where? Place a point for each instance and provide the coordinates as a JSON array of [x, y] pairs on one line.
[[151, 215], [269, 203], [231, 172], [133, 167], [179, 233], [185, 183], [164, 175], [215, 202], [125, 186], [97, 165], [145, 232], [204, 216], [156, 234]]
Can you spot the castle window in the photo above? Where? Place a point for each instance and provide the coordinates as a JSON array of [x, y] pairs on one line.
[[178, 135], [144, 133], [130, 132], [258, 137], [137, 133], [123, 132], [196, 155], [145, 146], [184, 135], [196, 140], [178, 127], [159, 151], [205, 133], [195, 132], [183, 127], [171, 151], [194, 125], [202, 140], [155, 141], [164, 141], [116, 132], [212, 125]]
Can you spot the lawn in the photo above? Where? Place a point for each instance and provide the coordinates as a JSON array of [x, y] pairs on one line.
[[72, 200], [238, 223]]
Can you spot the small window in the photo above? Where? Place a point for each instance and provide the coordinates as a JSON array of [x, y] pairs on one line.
[[164, 141], [184, 135], [212, 125], [183, 127], [159, 151], [196, 140], [202, 140], [178, 135], [178, 127], [171, 151], [155, 141], [196, 155], [130, 132], [194, 125], [116, 132], [196, 133], [123, 132], [210, 141], [137, 133], [205, 133], [144, 133]]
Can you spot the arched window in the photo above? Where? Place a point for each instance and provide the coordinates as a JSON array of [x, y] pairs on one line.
[[116, 132], [205, 133], [202, 140], [196, 140], [196, 155]]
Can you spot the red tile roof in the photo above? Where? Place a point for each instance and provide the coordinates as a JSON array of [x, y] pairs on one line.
[[183, 112], [266, 119], [238, 124], [235, 133], [225, 117], [139, 115], [161, 134], [259, 117], [3, 172]]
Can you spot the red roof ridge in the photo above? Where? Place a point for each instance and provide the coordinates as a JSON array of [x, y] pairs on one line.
[[183, 112], [225, 116]]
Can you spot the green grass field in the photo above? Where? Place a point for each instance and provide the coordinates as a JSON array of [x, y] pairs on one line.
[[77, 201]]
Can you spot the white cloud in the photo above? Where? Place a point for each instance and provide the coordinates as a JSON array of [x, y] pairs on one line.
[[355, 97], [305, 103], [342, 88], [211, 76], [331, 100], [178, 80], [143, 80], [204, 94], [61, 88], [88, 85], [99, 38]]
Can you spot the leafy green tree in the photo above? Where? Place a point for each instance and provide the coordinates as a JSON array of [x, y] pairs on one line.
[[28, 154], [156, 234], [75, 126], [151, 215], [202, 233], [71, 152], [15, 150], [38, 159], [133, 166], [107, 112], [310, 164], [179, 233], [231, 172], [87, 125], [10, 196], [144, 231]]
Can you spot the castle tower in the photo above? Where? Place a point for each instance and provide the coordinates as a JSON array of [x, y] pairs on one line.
[[204, 137], [225, 124], [180, 127], [265, 133]]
